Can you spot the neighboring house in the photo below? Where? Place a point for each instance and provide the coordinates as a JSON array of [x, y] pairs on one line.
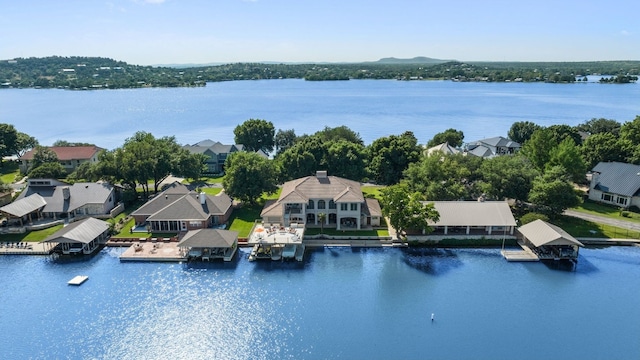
[[445, 148], [473, 218], [81, 237], [615, 183], [54, 199], [216, 153], [70, 157], [341, 200], [5, 198], [179, 209], [491, 147]]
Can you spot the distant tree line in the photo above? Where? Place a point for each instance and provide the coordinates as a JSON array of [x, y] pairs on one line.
[[87, 73]]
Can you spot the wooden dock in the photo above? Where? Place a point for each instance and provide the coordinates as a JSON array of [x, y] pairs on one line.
[[526, 254], [162, 252]]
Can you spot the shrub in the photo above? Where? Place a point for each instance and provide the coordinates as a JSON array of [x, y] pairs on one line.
[[625, 214], [532, 216], [634, 209]]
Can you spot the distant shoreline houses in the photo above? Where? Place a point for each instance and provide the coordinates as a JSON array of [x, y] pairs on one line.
[[216, 153], [70, 157], [485, 148]]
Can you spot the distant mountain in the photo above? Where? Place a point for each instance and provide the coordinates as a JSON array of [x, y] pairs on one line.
[[415, 60]]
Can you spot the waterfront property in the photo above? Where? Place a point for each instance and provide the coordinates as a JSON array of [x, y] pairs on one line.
[[276, 242], [549, 242], [472, 219], [70, 157], [49, 198], [216, 154], [615, 183], [491, 147], [208, 244], [81, 237], [341, 201], [177, 209], [444, 148]]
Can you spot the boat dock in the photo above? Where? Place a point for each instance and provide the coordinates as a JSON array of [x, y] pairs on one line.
[[158, 251], [526, 254], [23, 248], [78, 280]]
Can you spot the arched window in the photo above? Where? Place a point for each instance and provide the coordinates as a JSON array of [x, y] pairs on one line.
[[310, 204], [321, 204], [332, 204]]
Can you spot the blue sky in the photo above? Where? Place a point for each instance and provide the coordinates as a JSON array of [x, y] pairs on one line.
[[221, 31]]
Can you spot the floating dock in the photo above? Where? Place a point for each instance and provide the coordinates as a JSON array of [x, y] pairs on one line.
[[526, 254], [78, 280]]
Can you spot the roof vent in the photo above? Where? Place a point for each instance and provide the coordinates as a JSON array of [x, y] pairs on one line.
[[66, 193], [321, 174], [203, 198]]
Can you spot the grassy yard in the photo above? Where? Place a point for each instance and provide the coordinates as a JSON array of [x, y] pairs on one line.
[[591, 207], [243, 218], [32, 236], [582, 228], [9, 172], [372, 191], [211, 190]]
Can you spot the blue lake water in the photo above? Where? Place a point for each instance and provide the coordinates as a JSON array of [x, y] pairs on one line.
[[341, 303], [374, 108]]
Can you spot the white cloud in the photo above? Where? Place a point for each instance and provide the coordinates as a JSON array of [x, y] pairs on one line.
[[625, 33]]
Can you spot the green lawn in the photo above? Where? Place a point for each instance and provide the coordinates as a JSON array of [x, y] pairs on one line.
[[211, 190], [32, 236], [9, 172], [583, 228], [243, 218], [612, 212], [372, 191]]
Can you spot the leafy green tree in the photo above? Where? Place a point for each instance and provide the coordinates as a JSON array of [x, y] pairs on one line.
[[567, 155], [521, 131], [538, 148], [307, 156], [507, 177], [8, 140], [48, 170], [561, 132], [630, 135], [67, 143], [603, 147], [248, 176], [600, 126], [443, 177], [284, 139], [85, 171], [346, 159], [452, 136], [339, 133], [322, 217], [552, 192], [255, 134], [190, 165], [43, 155], [531, 217], [389, 156], [24, 143], [406, 210]]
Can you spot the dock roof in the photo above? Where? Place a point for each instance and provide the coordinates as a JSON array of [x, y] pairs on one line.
[[541, 233], [83, 231], [473, 213], [209, 238]]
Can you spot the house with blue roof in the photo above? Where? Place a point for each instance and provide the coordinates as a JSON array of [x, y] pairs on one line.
[[615, 183]]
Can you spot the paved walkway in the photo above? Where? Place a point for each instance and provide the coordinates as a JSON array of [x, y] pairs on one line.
[[604, 220]]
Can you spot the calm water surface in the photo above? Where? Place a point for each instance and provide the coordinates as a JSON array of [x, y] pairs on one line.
[[374, 108], [339, 304]]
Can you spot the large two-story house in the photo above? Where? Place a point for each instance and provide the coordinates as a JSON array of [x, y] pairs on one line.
[[491, 147], [340, 200], [70, 157], [216, 153]]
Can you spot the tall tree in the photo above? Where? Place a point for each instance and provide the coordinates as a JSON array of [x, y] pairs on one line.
[[307, 156], [507, 177], [8, 140], [552, 192], [346, 159], [24, 143], [284, 139], [248, 176], [390, 156], [537, 149], [255, 134], [452, 136], [561, 132], [600, 126], [567, 155], [50, 170], [443, 177], [339, 133], [521, 131], [43, 155], [406, 210], [630, 135]]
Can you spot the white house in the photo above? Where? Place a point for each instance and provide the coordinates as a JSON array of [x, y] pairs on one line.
[[615, 183]]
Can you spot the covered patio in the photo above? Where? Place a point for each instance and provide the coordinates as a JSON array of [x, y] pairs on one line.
[[550, 242], [24, 210], [473, 218]]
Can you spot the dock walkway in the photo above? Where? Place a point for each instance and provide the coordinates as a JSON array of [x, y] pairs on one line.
[[526, 254]]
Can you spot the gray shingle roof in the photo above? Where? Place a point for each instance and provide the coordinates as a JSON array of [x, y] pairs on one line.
[[541, 233], [188, 207], [24, 206], [83, 231], [473, 213], [618, 178], [209, 238], [81, 194]]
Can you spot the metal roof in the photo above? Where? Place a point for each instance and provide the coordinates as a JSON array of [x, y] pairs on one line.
[[83, 231], [473, 213], [541, 233], [209, 238], [617, 178], [24, 206]]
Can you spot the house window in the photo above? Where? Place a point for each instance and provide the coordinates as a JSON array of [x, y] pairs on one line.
[[354, 206], [195, 224], [322, 204], [622, 201], [310, 205], [343, 207], [332, 204], [607, 197]]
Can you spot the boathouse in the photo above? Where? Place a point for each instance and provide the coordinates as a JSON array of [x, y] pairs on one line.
[[550, 242], [473, 218], [81, 237], [208, 244]]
